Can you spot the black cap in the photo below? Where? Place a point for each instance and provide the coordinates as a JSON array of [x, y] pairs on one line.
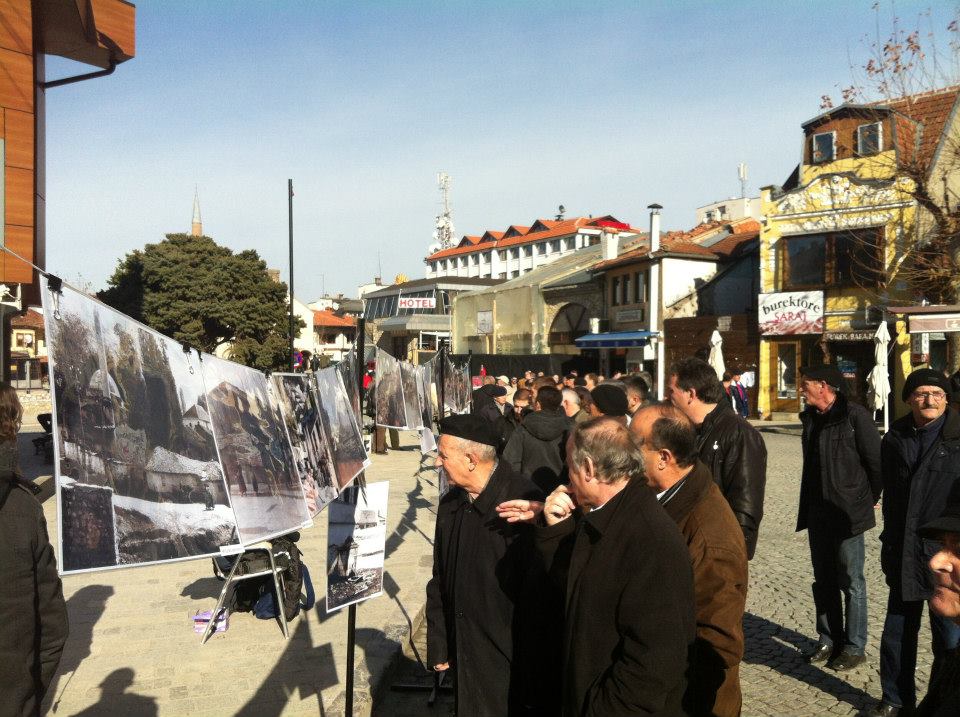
[[949, 520], [493, 390], [828, 373], [610, 400], [925, 377], [472, 428]]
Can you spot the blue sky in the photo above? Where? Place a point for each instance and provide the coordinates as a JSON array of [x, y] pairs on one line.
[[604, 107]]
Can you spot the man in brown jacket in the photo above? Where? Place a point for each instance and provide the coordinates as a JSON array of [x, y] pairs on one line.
[[686, 490]]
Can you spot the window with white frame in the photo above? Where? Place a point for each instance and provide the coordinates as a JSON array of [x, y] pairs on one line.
[[869, 138], [824, 147]]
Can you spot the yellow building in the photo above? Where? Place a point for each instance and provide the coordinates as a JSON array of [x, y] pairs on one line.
[[832, 238]]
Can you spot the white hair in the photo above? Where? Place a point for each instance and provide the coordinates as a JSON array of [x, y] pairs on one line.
[[571, 395], [482, 451]]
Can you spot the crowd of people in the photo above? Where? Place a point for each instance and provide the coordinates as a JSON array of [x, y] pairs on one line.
[[591, 556]]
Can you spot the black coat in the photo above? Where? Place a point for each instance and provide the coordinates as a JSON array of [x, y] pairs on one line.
[[33, 615], [736, 455], [481, 615], [848, 452], [537, 448], [629, 621], [912, 498]]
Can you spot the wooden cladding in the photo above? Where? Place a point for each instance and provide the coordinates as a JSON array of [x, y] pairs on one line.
[[16, 26]]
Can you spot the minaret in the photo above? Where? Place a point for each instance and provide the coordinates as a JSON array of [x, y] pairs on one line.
[[196, 226]]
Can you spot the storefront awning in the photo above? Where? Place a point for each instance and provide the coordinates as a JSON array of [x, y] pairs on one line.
[[615, 340]]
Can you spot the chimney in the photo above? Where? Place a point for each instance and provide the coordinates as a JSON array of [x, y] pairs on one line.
[[609, 243], [377, 281], [654, 227]]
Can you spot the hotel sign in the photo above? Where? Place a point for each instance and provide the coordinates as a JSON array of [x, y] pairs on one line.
[[787, 313], [417, 302]]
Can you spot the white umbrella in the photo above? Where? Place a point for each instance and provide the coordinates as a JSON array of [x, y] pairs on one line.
[[716, 354], [878, 382]]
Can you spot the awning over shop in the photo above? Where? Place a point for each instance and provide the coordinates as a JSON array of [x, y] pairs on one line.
[[416, 322], [615, 339]]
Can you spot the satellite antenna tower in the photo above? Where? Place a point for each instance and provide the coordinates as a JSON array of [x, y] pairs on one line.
[[444, 233], [742, 173]]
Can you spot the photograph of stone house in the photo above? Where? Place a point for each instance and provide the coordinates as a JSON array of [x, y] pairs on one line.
[[130, 435]]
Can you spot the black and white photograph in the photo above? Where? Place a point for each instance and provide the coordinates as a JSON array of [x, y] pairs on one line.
[[356, 538], [132, 431], [391, 412], [348, 373], [311, 448], [264, 487], [340, 425], [424, 386], [411, 395], [456, 386]]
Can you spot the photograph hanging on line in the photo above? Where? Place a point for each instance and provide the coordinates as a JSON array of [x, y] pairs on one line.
[[356, 539], [391, 412], [264, 488], [311, 448], [424, 384], [340, 425], [348, 374], [411, 396], [138, 476]]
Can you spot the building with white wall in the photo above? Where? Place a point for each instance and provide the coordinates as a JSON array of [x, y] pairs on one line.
[[521, 249]]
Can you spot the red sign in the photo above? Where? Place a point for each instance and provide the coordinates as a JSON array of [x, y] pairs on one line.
[[417, 302]]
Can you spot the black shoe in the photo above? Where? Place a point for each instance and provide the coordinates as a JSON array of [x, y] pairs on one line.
[[846, 661], [820, 653], [885, 709]]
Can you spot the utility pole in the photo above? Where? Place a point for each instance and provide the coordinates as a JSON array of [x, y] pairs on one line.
[[290, 225]]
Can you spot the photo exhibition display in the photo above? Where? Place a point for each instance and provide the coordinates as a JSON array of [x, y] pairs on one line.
[[391, 410], [164, 454]]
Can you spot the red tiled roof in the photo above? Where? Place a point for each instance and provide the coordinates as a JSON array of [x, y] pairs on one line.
[[554, 229], [329, 318], [931, 110], [32, 319], [733, 244]]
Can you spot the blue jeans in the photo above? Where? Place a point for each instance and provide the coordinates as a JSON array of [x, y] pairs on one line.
[[839, 587], [898, 648]]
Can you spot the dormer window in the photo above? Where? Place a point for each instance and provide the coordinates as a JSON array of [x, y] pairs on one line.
[[824, 147], [869, 138]]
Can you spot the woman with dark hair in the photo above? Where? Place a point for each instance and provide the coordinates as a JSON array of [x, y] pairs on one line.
[[11, 416]]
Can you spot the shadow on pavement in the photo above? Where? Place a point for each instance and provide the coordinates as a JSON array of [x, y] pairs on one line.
[[301, 668], [203, 589], [115, 700], [779, 648], [84, 609]]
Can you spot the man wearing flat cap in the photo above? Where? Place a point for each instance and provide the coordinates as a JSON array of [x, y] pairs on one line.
[[611, 401], [481, 613], [943, 696], [921, 464], [839, 487]]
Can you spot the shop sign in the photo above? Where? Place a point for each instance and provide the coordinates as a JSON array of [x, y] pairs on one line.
[[849, 335], [790, 312], [919, 348], [417, 302], [934, 322], [484, 322], [630, 315]]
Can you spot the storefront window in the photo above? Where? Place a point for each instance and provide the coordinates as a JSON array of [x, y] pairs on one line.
[[787, 371]]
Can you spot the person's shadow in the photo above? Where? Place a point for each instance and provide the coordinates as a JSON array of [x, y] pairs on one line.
[[768, 643], [115, 700], [84, 608]]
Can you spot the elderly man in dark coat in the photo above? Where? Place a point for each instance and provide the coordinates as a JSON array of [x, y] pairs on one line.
[[627, 578], [33, 615], [487, 579], [920, 464]]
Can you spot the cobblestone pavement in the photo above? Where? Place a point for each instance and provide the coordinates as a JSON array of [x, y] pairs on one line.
[[779, 620]]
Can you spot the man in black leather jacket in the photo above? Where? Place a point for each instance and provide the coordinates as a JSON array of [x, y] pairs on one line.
[[839, 487], [732, 448]]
